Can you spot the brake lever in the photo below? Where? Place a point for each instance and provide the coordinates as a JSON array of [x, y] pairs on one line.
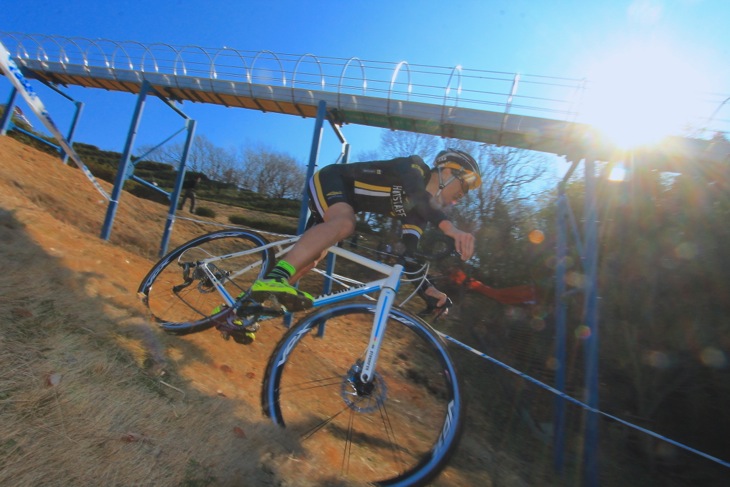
[[432, 308]]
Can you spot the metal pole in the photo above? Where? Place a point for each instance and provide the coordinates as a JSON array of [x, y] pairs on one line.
[[560, 335], [72, 130], [6, 119], [590, 266], [313, 157], [124, 163], [178, 186], [332, 258]]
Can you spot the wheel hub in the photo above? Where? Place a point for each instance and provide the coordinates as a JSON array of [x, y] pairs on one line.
[[363, 397]]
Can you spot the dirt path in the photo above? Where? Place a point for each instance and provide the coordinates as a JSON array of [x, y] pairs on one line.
[[62, 213]]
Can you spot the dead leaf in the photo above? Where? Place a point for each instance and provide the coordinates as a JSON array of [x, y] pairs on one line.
[[21, 313], [53, 379], [131, 437]]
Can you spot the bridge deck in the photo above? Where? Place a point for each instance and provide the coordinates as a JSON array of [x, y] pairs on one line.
[[573, 140]]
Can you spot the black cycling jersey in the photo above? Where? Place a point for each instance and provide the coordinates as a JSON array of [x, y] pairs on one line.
[[395, 187]]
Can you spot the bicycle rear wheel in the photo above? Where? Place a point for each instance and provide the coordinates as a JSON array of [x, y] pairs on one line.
[[400, 429], [182, 297]]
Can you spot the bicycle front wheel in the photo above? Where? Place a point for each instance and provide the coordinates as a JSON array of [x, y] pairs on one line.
[[181, 295], [400, 429]]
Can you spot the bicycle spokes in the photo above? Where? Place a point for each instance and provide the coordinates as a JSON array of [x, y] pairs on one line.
[[384, 428]]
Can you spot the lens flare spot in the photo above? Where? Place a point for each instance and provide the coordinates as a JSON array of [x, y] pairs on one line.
[[657, 359], [582, 332], [536, 236], [537, 324], [713, 357], [575, 279], [552, 363], [686, 250]]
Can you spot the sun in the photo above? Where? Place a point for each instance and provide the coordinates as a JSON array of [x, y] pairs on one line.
[[638, 94]]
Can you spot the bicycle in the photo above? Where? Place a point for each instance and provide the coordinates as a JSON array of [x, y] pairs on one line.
[[363, 382]]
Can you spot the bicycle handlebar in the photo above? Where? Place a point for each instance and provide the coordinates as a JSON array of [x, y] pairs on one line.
[[441, 248]]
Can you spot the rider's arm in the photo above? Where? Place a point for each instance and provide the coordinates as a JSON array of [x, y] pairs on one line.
[[426, 290]]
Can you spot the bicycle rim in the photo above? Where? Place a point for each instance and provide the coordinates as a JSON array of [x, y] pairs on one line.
[[401, 430], [182, 298]]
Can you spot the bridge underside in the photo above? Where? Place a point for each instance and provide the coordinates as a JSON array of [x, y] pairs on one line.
[[572, 140]]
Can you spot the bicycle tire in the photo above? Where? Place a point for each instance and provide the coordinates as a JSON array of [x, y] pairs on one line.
[[182, 300], [416, 398]]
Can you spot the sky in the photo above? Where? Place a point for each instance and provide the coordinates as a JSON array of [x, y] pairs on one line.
[[687, 41]]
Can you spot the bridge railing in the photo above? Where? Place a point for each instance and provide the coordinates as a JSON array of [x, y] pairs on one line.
[[496, 91]]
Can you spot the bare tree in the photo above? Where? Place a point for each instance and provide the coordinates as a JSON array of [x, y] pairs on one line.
[[510, 175], [272, 173], [394, 143], [205, 157]]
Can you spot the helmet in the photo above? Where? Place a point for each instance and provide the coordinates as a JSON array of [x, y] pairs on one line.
[[462, 165]]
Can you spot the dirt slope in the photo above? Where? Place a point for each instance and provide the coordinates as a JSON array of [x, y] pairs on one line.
[[51, 218]]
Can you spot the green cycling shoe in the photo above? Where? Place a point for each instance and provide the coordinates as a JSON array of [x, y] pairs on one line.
[[288, 296]]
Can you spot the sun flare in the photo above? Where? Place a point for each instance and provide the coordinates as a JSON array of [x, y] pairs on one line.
[[639, 94]]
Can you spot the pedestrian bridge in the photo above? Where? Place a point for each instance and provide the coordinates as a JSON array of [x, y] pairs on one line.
[[522, 111]]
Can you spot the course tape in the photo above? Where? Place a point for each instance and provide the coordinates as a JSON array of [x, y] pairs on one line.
[[11, 71], [581, 404]]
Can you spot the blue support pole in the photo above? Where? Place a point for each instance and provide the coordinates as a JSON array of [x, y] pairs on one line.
[[560, 334], [178, 186], [7, 116], [590, 266], [72, 130], [311, 167], [124, 163], [331, 258]]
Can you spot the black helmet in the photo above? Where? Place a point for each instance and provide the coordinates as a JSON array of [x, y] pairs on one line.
[[462, 165]]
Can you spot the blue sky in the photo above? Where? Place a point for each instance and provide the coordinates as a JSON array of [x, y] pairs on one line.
[[563, 38]]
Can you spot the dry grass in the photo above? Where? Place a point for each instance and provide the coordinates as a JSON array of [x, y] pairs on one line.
[[82, 398], [90, 393]]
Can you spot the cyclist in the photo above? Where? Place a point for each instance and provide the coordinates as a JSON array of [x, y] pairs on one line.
[[405, 188]]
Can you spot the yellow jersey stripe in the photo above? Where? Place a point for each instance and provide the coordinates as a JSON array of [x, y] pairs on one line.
[[319, 192], [372, 187], [413, 228]]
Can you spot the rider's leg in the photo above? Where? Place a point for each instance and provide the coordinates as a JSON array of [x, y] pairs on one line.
[[303, 270], [339, 223]]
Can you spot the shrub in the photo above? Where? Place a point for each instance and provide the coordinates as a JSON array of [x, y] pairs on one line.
[[264, 224], [206, 212], [142, 191]]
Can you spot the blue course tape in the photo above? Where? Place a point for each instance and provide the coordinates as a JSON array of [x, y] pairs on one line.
[[583, 405]]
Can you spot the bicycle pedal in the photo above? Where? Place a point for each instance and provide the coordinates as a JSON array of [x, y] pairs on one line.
[[245, 338], [252, 328]]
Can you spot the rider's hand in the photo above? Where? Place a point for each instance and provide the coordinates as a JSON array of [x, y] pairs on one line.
[[438, 295], [437, 303], [463, 241]]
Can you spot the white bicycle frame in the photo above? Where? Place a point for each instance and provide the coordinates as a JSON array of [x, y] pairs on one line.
[[387, 287]]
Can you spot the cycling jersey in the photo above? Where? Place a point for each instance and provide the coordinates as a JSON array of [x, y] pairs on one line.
[[395, 187]]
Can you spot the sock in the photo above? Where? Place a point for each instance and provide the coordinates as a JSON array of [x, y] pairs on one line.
[[282, 271]]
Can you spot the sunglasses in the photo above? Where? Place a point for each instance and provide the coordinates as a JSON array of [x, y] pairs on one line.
[[459, 176]]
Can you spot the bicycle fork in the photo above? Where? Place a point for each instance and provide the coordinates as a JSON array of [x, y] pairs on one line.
[[382, 311]]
